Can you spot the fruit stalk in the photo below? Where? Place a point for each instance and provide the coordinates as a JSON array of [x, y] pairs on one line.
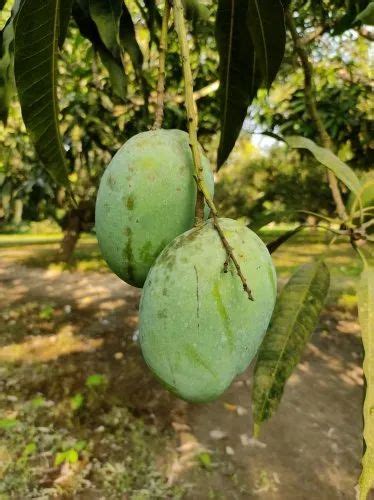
[[159, 115], [202, 194], [225, 243], [180, 27]]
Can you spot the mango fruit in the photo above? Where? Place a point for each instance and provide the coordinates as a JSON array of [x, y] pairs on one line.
[[145, 199], [198, 328]]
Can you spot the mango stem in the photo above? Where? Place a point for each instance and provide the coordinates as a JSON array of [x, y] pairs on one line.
[[192, 118], [159, 114]]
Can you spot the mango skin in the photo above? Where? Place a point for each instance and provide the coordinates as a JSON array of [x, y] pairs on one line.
[[198, 328], [145, 199]]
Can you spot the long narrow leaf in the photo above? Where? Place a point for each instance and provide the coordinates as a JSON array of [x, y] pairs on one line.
[[240, 76], [329, 160], [272, 246], [7, 83], [6, 69], [106, 16], [367, 15], [128, 41], [265, 218], [35, 67], [295, 317], [267, 27], [88, 29], [366, 317]]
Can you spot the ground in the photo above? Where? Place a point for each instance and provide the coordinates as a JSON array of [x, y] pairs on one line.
[[82, 417]]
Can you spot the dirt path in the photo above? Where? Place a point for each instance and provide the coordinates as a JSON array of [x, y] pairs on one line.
[[310, 450]]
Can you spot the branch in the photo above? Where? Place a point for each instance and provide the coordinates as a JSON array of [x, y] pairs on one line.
[[310, 101], [202, 194], [225, 243], [180, 27], [159, 115], [366, 33], [315, 34]]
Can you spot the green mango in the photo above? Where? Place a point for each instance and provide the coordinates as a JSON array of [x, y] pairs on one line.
[[146, 198], [198, 328]]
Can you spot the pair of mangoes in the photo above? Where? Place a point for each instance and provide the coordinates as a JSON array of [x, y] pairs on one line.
[[198, 329]]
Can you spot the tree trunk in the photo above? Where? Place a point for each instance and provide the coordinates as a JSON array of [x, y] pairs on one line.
[[72, 232]]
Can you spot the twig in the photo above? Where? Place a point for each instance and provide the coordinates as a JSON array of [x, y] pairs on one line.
[[159, 115], [202, 194], [225, 243], [310, 101], [180, 27]]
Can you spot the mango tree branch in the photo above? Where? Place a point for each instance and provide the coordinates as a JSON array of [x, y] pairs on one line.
[[202, 194], [225, 243], [311, 105], [159, 115], [180, 27]]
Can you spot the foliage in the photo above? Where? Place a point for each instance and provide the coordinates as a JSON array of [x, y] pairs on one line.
[[294, 319], [342, 76], [35, 70], [366, 312], [329, 160], [251, 51], [278, 181]]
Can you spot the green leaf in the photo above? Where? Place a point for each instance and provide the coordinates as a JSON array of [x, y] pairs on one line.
[[365, 195], [195, 10], [8, 423], [76, 401], [117, 76], [267, 27], [329, 160], [106, 16], [128, 39], [38, 402], [265, 218], [89, 30], [46, 312], [273, 245], [60, 458], [65, 13], [80, 445], [35, 67], [240, 76], [366, 317], [6, 74], [205, 459], [367, 15], [71, 456], [95, 380], [7, 83], [295, 317], [29, 449]]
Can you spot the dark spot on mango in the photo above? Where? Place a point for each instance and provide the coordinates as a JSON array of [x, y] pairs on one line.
[[162, 314], [130, 202], [111, 182], [146, 253], [128, 255], [222, 311]]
